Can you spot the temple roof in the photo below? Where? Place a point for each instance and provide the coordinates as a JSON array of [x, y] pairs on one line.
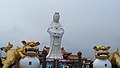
[[73, 57], [62, 50], [68, 57]]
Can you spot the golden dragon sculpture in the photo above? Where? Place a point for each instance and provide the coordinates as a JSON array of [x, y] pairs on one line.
[[13, 55], [102, 52]]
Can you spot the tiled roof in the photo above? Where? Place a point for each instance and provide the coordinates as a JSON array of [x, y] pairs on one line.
[[68, 55], [62, 50], [73, 57]]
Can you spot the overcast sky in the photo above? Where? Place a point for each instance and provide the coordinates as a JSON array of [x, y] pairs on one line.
[[86, 23]]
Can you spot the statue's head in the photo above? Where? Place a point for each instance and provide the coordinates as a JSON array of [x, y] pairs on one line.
[[101, 52], [56, 17]]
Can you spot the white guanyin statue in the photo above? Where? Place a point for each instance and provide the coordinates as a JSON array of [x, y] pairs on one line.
[[56, 32]]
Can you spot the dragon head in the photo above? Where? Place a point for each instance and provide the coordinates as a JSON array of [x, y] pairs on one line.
[[30, 47], [101, 52]]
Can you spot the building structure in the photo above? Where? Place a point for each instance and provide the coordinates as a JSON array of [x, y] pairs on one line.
[[69, 60]]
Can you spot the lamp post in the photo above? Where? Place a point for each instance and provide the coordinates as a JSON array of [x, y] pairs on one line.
[[79, 59], [91, 64], [44, 52], [56, 63]]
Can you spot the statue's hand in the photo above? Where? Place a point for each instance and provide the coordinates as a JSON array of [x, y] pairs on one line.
[[56, 34]]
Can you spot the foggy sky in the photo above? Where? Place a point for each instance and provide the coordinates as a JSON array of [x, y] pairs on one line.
[[86, 23]]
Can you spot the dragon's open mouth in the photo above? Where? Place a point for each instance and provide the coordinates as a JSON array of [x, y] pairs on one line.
[[31, 50], [102, 54]]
